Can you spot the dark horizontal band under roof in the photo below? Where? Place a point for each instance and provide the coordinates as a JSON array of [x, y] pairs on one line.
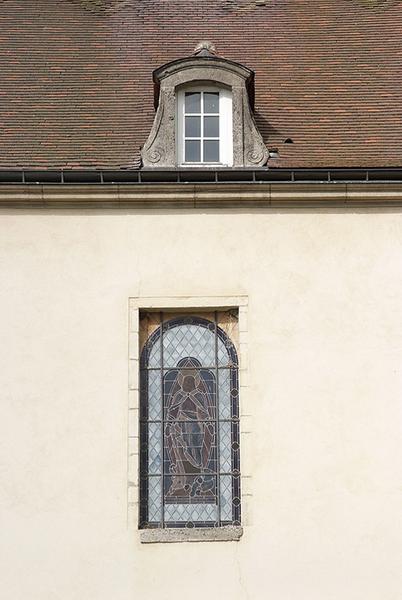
[[199, 176]]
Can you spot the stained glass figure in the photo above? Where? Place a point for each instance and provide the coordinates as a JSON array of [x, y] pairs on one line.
[[190, 471]]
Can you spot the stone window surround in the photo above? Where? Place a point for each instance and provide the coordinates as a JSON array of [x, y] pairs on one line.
[[185, 303], [159, 150]]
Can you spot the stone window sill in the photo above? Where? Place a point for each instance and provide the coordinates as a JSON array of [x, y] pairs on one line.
[[219, 534]]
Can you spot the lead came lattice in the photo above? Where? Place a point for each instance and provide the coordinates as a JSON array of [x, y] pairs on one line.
[[189, 430]]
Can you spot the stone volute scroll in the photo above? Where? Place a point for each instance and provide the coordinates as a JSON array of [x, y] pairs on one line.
[[206, 68]]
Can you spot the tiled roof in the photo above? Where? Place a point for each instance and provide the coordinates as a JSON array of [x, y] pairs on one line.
[[76, 76]]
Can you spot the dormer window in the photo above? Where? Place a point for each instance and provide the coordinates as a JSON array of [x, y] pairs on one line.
[[204, 115], [204, 126]]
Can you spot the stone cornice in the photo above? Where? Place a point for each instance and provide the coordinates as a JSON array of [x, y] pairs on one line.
[[241, 195], [213, 62]]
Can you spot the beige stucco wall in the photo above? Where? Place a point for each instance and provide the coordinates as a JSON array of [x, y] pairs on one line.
[[322, 513]]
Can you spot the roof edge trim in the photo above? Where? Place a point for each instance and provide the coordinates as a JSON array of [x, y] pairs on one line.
[[241, 195], [172, 176]]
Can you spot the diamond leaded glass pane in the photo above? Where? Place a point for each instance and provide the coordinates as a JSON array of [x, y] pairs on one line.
[[226, 497], [154, 499], [225, 446], [155, 355], [155, 449], [224, 386], [190, 340], [190, 513], [155, 395], [189, 424]]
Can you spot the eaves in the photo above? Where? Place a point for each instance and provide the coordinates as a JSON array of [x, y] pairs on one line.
[[202, 195]]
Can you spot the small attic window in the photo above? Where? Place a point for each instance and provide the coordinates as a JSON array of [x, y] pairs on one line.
[[204, 114], [204, 126]]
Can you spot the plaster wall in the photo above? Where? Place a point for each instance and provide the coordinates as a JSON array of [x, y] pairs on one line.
[[322, 506]]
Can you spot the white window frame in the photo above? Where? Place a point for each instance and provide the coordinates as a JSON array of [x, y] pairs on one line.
[[225, 126]]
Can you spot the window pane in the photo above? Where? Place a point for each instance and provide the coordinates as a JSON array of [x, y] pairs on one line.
[[225, 442], [224, 389], [154, 499], [193, 126], [154, 395], [211, 102], [191, 513], [192, 151], [211, 151], [189, 339], [211, 126], [226, 497], [155, 448], [192, 102]]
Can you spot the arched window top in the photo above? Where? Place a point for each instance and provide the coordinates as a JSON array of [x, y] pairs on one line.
[[190, 465], [199, 338], [204, 68]]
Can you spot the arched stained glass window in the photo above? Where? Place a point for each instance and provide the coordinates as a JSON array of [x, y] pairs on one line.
[[189, 430]]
